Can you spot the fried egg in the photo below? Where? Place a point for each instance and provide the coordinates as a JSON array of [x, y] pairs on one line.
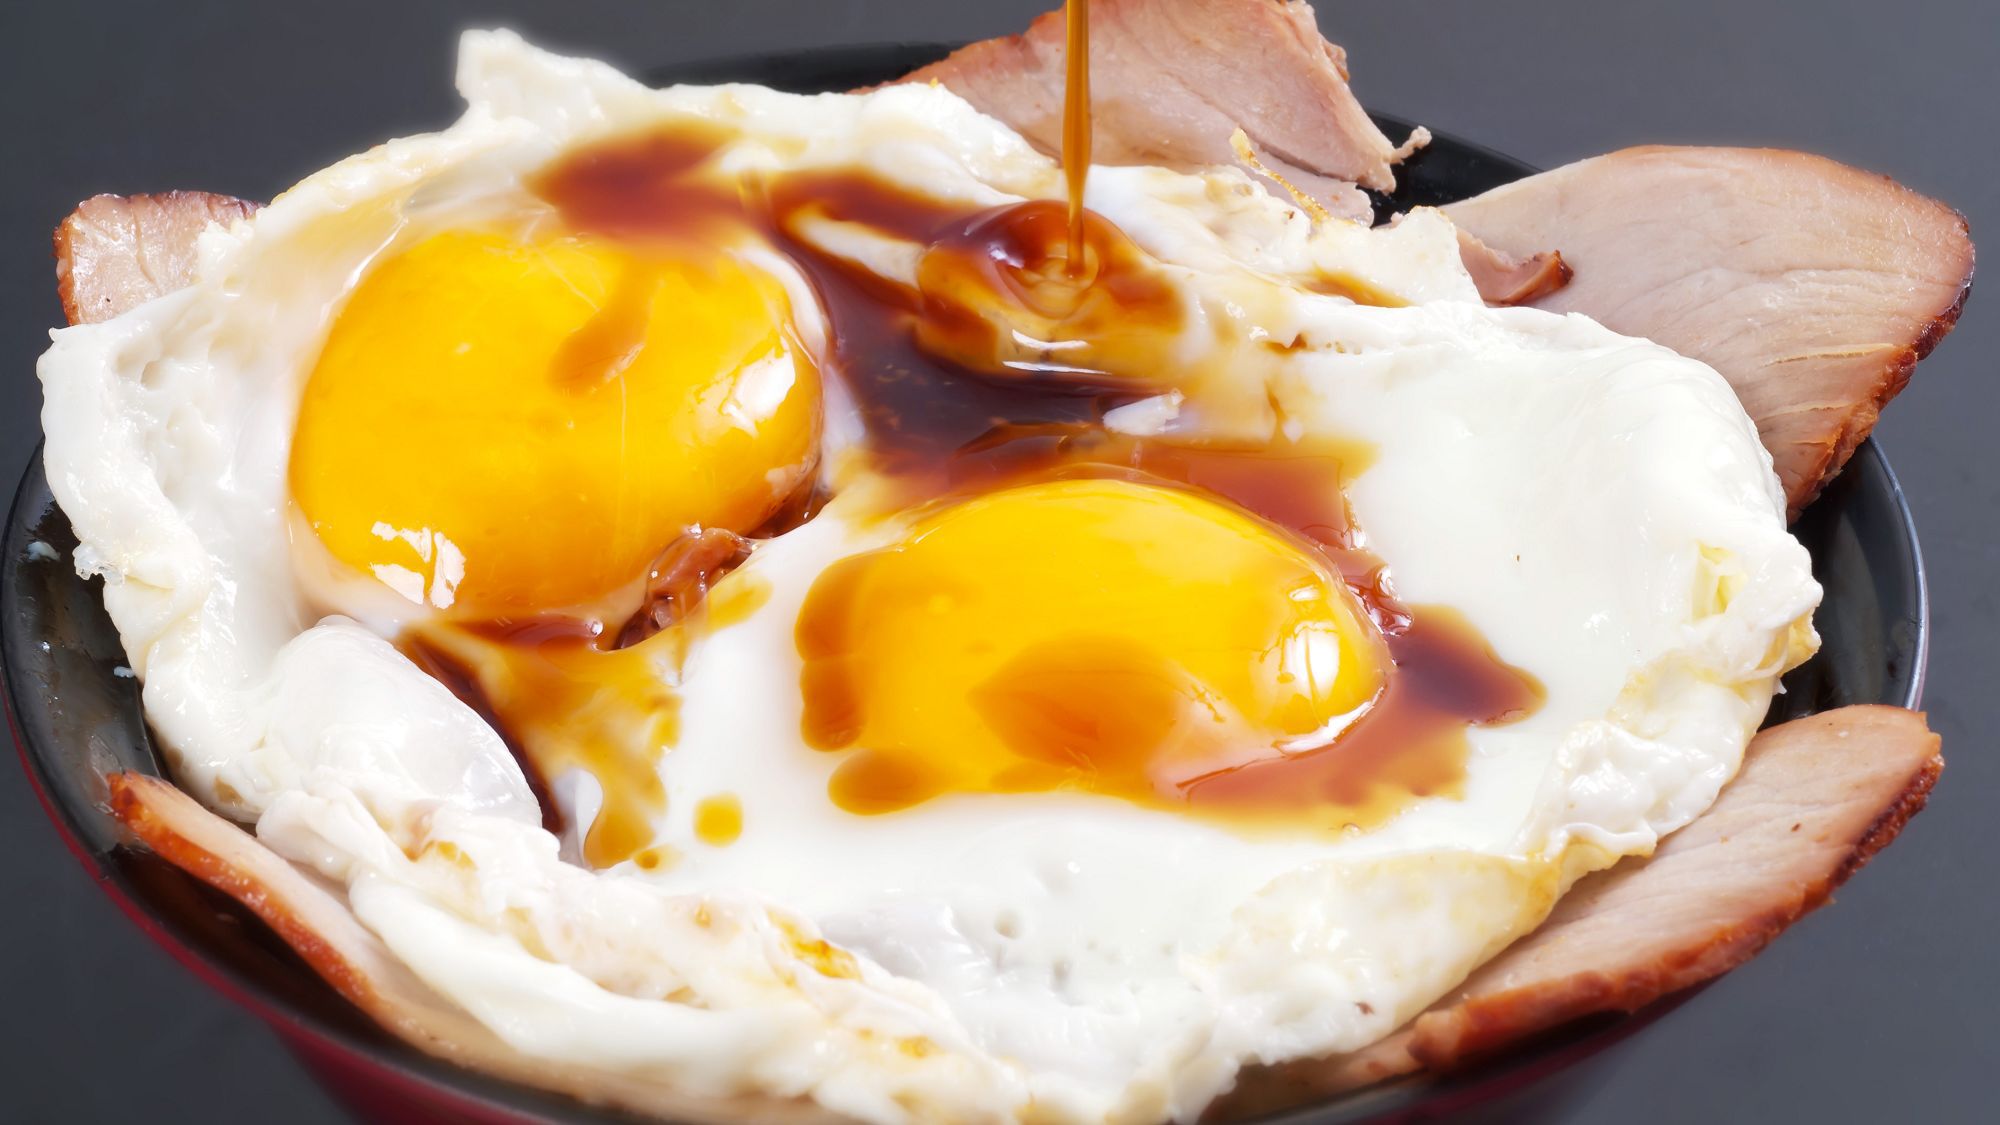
[[551, 499], [1052, 786]]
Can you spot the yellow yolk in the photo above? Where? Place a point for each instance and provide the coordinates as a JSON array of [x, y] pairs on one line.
[[501, 424], [1106, 635]]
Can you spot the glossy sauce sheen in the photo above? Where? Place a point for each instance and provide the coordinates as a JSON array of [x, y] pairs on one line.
[[1410, 743], [953, 405]]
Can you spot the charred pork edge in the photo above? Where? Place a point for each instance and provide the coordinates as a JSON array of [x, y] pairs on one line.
[[1861, 421]]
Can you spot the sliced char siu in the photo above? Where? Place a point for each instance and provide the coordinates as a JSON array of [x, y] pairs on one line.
[[117, 251], [1814, 288]]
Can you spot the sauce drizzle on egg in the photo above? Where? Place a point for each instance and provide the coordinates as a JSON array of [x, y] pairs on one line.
[[994, 367]]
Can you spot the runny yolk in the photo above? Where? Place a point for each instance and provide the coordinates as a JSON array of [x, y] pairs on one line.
[[1098, 634], [503, 423]]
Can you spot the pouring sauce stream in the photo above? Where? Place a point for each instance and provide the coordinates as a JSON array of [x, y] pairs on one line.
[[1076, 122]]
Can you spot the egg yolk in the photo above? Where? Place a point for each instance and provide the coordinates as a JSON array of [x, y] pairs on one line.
[[1099, 634], [502, 423]]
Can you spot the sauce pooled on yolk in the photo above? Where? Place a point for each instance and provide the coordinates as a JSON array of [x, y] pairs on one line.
[[501, 424], [1195, 626], [1153, 638]]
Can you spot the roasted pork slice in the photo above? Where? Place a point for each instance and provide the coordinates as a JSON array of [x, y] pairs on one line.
[[1814, 288], [1815, 800], [1172, 79], [315, 921], [117, 251]]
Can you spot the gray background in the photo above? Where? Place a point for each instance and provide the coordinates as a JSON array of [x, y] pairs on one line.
[[1881, 1008]]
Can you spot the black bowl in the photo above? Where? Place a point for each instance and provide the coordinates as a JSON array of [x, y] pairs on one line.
[[75, 715]]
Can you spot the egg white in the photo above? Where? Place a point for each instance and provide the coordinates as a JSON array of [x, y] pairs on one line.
[[1585, 499]]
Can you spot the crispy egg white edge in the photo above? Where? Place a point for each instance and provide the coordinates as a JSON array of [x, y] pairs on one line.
[[155, 476]]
